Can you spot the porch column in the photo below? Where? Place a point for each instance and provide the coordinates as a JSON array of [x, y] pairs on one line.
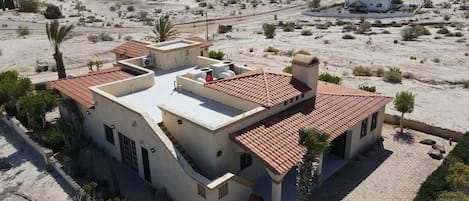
[[277, 180], [321, 159]]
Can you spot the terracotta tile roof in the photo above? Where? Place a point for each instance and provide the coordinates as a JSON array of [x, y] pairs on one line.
[[275, 139], [77, 88], [204, 42], [132, 48], [261, 86]]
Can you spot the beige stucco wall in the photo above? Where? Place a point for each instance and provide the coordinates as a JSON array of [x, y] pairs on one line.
[[355, 144], [177, 58]]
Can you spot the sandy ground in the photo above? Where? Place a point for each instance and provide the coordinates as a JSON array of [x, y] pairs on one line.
[[26, 180], [438, 104]]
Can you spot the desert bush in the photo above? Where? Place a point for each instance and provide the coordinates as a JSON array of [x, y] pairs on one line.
[[142, 15], [289, 27], [326, 42], [53, 12], [288, 53], [28, 6], [379, 72], [118, 25], [288, 69], [362, 71], [127, 38], [413, 58], [411, 33], [326, 77], [348, 37], [323, 26], [385, 32], [394, 75], [364, 27], [130, 8], [447, 17], [465, 84], [306, 33], [314, 5], [219, 55], [303, 52], [4, 25], [272, 50], [203, 4], [210, 6], [243, 6], [112, 8], [443, 30], [22, 30], [74, 15], [349, 28], [93, 38], [368, 88], [105, 37], [436, 60], [224, 28], [466, 54], [269, 30]]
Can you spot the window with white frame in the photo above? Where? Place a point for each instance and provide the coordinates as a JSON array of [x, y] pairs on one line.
[[364, 128]]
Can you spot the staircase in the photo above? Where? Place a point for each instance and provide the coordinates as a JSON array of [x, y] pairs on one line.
[[181, 149]]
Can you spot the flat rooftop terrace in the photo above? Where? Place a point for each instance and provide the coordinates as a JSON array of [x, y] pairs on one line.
[[205, 110]]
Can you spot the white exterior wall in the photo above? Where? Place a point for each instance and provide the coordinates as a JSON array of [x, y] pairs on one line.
[[372, 5], [355, 144]]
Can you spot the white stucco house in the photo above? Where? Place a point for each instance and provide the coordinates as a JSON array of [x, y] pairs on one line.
[[211, 130], [368, 5]]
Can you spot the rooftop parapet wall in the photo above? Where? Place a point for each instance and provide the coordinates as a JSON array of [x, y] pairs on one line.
[[137, 83], [207, 62]]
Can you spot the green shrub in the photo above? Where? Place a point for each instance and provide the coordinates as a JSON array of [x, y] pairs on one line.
[[394, 75], [216, 55], [452, 196], [93, 38], [443, 30], [269, 30], [22, 30], [52, 139], [289, 27], [53, 12], [364, 27], [272, 49], [411, 33], [127, 38], [465, 84], [28, 6], [379, 72], [224, 28], [362, 71], [368, 88], [130, 8], [288, 69], [105, 37], [326, 77], [306, 33], [323, 26], [74, 15], [348, 37]]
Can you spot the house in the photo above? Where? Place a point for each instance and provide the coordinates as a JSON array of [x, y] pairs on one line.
[[216, 130], [137, 48], [368, 5]]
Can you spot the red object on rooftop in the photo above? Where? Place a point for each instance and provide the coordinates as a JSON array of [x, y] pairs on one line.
[[209, 77]]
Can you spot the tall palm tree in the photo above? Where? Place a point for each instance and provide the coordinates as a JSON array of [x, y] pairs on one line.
[[57, 34], [315, 143], [164, 29]]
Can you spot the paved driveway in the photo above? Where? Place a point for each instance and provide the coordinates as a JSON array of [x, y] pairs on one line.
[[390, 174], [22, 175]]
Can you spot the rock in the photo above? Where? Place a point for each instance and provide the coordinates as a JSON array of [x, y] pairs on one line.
[[428, 142], [439, 148], [435, 154]]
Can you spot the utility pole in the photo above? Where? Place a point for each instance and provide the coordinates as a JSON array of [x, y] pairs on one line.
[[206, 24]]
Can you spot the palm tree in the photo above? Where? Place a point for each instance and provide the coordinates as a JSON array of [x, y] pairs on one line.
[[57, 34], [164, 29], [315, 143]]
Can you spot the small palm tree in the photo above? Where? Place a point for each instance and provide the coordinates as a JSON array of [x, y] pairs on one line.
[[315, 143], [404, 103], [57, 34], [164, 29]]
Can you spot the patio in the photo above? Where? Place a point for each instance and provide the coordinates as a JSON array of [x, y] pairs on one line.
[[332, 164]]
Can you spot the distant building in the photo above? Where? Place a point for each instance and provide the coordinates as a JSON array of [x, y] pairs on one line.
[[211, 130], [368, 5]]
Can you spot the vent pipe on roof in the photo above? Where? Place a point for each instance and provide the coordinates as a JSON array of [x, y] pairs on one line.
[[306, 69]]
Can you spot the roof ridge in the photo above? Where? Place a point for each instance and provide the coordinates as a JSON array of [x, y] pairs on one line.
[[354, 95], [242, 75], [267, 94]]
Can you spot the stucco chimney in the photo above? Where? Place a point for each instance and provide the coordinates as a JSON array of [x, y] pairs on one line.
[[305, 69]]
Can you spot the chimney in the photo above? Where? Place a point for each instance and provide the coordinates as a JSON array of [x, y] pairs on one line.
[[305, 69]]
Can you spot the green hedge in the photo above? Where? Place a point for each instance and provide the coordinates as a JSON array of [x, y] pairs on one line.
[[435, 184]]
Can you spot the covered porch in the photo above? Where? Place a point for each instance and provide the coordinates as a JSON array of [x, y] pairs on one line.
[[269, 187]]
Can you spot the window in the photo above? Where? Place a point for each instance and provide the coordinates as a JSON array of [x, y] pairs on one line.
[[128, 153], [201, 191], [374, 121], [223, 191], [245, 161], [379, 5], [364, 128], [109, 134]]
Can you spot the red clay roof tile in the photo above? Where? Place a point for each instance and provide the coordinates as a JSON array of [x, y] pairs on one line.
[[261, 86], [274, 140], [132, 49], [77, 88], [204, 43]]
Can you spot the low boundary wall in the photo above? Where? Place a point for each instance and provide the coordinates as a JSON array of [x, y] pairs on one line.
[[359, 15], [46, 155], [422, 127]]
